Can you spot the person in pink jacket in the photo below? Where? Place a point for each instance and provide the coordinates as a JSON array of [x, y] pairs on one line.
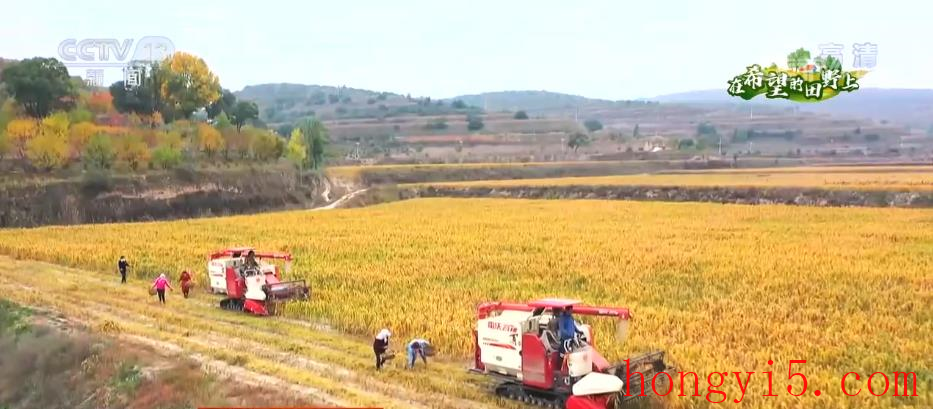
[[159, 285]]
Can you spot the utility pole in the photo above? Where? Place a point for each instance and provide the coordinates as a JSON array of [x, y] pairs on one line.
[[720, 145]]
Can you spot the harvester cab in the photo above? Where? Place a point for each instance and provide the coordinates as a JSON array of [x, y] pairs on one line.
[[252, 281], [519, 345]]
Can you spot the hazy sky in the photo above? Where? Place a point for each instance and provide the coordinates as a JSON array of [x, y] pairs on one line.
[[608, 49]]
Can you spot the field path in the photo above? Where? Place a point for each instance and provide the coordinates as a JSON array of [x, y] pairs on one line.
[[305, 359]]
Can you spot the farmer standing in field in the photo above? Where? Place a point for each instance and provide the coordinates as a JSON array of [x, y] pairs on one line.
[[159, 285], [122, 265], [380, 346], [185, 282]]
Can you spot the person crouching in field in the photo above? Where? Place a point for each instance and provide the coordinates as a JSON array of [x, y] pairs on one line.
[[185, 283], [419, 347], [380, 346], [159, 285]]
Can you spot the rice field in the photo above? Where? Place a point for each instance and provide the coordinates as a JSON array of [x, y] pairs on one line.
[[722, 288]]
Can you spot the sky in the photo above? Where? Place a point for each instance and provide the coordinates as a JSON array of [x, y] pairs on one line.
[[600, 49]]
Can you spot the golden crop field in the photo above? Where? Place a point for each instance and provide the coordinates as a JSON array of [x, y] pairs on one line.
[[722, 288], [913, 178], [354, 171]]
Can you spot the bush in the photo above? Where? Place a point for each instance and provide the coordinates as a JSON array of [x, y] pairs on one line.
[[165, 157], [593, 125], [436, 124], [48, 151], [474, 123], [458, 104], [706, 128], [521, 115], [98, 153]]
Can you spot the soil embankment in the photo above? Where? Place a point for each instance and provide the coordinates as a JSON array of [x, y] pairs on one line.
[[739, 195], [163, 196]]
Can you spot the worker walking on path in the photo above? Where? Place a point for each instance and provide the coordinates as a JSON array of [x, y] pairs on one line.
[[185, 282], [380, 346], [122, 266], [159, 285], [418, 347]]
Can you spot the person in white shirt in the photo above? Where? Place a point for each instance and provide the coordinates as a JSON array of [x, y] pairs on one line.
[[380, 346]]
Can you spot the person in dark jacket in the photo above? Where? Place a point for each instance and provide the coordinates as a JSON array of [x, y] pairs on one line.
[[380, 346], [185, 283], [122, 265]]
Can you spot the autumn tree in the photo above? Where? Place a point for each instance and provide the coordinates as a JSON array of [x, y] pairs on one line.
[[100, 102], [49, 149], [19, 132], [133, 151], [237, 143], [39, 85], [210, 141], [297, 151], [188, 84], [4, 145], [79, 136], [267, 146]]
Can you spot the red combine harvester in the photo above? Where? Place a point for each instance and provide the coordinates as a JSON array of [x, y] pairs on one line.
[[518, 345], [251, 283]]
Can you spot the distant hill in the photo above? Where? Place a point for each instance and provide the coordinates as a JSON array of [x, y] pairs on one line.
[[540, 102], [286, 103], [906, 106]]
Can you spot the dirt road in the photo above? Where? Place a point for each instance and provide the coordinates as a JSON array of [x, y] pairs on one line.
[[301, 357]]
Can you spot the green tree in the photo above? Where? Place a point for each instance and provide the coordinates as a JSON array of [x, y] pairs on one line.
[[458, 104], [474, 122], [165, 157], [39, 85], [316, 138], [635, 132], [706, 128], [798, 59], [592, 125], [243, 112], [578, 140], [685, 144], [521, 115], [222, 122], [225, 103], [144, 99], [828, 63]]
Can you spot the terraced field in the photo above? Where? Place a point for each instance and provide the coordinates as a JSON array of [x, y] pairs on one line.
[[720, 287], [886, 178]]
